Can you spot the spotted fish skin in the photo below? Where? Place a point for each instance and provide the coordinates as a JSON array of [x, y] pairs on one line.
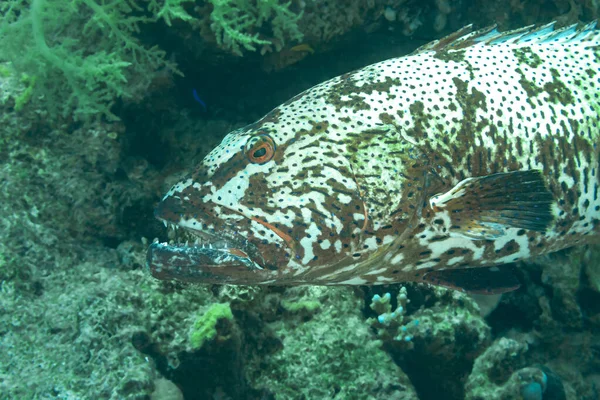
[[389, 173]]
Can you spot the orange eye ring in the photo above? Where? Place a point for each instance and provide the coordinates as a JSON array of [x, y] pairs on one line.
[[260, 148]]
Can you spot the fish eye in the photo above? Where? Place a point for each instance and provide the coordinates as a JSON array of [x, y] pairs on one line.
[[260, 148], [259, 153]]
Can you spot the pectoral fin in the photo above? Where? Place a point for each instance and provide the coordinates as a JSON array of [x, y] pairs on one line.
[[483, 207]]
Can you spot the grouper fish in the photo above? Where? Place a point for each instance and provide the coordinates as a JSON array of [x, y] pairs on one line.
[[475, 151]]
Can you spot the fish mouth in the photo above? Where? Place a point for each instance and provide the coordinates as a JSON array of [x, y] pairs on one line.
[[194, 255]]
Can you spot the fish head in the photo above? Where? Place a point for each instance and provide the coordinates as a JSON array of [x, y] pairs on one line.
[[273, 204], [257, 209], [215, 213]]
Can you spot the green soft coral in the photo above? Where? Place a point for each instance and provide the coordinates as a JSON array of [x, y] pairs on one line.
[[205, 326], [235, 22], [84, 54], [169, 10], [24, 98]]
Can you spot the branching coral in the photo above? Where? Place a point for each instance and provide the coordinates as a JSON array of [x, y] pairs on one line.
[[391, 325]]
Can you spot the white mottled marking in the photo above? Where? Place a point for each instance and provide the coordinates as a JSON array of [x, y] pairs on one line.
[[397, 259], [354, 281]]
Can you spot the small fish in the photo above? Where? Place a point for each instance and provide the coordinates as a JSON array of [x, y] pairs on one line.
[[477, 150], [198, 99]]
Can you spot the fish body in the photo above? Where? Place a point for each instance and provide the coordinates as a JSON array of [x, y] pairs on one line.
[[476, 150]]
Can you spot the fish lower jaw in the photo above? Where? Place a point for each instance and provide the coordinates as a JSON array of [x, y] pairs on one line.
[[219, 245]]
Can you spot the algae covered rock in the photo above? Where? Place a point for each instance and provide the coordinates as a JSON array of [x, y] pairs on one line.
[[501, 372], [555, 316], [434, 334], [327, 353]]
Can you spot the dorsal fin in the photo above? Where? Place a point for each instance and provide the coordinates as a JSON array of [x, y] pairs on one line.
[[548, 33]]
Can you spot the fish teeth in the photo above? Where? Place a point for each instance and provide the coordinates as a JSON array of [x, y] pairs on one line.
[[220, 244]]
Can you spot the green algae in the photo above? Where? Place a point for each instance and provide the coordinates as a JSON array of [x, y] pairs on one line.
[[205, 326]]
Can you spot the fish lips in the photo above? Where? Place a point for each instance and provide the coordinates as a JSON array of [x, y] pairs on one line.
[[201, 264]]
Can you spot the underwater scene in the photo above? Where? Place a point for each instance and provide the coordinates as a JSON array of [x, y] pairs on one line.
[[300, 199]]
